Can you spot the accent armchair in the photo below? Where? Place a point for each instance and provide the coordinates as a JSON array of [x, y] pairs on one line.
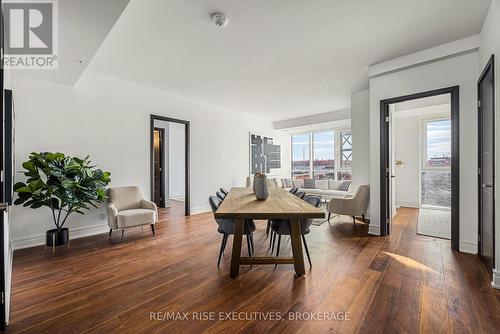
[[354, 206], [127, 208]]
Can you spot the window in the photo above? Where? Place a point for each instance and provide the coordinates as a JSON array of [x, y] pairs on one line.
[[322, 155], [436, 162], [437, 143], [300, 156]]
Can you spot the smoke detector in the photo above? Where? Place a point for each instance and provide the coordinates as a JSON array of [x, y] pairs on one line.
[[220, 20]]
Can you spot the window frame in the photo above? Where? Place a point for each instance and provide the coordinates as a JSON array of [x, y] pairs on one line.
[[337, 146]]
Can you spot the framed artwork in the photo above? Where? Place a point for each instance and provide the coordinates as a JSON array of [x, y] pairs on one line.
[[264, 154]]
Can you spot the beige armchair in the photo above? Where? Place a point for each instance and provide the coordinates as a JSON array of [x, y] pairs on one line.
[[351, 205], [126, 208]]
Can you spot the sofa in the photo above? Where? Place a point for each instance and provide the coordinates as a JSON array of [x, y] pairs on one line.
[[327, 189]]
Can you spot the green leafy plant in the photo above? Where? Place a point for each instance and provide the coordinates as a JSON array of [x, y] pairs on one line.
[[63, 184]]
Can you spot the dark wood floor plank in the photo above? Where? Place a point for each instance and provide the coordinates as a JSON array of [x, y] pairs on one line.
[[404, 283]]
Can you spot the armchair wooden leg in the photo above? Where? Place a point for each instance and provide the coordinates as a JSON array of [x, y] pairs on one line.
[[329, 215], [364, 220], [153, 228], [110, 230], [123, 232], [354, 220]]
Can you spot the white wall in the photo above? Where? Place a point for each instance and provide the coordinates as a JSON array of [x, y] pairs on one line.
[[176, 147], [108, 119], [490, 44], [463, 71], [407, 149], [360, 129]]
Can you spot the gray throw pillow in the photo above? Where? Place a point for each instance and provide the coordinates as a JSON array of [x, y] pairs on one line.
[[309, 184], [345, 185]]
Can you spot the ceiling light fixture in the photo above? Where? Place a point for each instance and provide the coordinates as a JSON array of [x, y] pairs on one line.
[[220, 20]]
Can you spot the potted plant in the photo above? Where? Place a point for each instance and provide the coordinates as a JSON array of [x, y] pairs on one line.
[[63, 184]]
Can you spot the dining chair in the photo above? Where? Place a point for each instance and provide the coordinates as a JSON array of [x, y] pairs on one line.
[[220, 195], [283, 227], [224, 191], [300, 194], [294, 190], [226, 228]]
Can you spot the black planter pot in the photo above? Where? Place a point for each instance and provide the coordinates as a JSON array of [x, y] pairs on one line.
[[57, 237]]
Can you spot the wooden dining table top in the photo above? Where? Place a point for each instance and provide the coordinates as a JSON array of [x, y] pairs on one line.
[[281, 204]]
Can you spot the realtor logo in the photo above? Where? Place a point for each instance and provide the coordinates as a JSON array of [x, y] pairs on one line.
[[30, 40]]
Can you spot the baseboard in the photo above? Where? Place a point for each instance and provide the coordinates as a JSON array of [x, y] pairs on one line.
[[495, 283], [374, 230], [408, 204], [468, 247], [80, 232], [200, 209]]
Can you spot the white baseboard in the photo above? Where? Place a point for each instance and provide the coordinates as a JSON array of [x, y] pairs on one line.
[[374, 230], [80, 232], [468, 247], [201, 209], [495, 283], [407, 204]]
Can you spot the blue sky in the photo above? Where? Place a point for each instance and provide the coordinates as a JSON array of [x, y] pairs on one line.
[[323, 146], [439, 138]]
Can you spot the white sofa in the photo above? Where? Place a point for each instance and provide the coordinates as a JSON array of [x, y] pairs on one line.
[[327, 189]]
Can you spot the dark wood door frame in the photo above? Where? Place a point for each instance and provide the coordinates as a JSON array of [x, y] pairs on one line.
[[455, 159], [162, 166], [187, 210], [490, 66]]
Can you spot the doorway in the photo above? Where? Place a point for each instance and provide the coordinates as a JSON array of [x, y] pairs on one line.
[[159, 167], [486, 164], [432, 168], [169, 159]]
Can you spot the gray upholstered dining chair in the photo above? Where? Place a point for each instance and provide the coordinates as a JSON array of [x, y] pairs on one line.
[[127, 208], [220, 195], [224, 191], [283, 227], [227, 226], [354, 206]]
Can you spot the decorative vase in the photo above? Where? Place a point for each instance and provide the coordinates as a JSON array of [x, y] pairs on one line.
[[57, 237], [260, 188]]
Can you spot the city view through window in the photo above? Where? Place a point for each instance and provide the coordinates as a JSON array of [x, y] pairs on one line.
[[436, 173], [322, 155]]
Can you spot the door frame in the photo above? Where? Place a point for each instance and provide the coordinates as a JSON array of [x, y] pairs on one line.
[[385, 219], [162, 166], [187, 209], [490, 66]]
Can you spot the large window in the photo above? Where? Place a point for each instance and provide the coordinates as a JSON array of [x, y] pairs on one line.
[[322, 155], [436, 163], [301, 156]]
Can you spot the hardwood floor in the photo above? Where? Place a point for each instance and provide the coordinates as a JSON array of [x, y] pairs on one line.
[[405, 283]]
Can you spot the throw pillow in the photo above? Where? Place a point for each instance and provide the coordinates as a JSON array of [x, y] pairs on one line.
[[345, 185], [299, 183], [322, 184], [309, 184], [334, 185]]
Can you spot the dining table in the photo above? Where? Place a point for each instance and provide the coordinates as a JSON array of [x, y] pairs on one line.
[[241, 204]]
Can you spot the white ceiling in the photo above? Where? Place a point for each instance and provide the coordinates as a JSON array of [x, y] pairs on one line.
[[278, 59], [83, 26]]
